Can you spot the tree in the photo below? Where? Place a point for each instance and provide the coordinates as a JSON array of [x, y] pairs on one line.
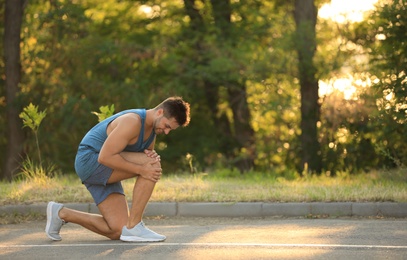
[[389, 28], [305, 15], [246, 67], [15, 137], [236, 88], [215, 51]]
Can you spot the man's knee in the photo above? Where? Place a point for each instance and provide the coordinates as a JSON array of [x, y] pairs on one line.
[[115, 235]]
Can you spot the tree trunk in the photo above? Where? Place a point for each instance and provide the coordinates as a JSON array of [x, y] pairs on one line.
[[244, 133], [15, 137], [305, 15]]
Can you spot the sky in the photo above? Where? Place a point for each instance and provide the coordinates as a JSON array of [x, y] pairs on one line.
[[346, 10], [343, 11]]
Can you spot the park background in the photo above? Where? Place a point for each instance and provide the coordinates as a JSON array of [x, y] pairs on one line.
[[288, 88]]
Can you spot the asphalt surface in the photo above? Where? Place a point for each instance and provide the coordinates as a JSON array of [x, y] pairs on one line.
[[220, 238], [225, 231]]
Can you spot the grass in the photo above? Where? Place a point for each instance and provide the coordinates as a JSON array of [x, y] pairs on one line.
[[376, 186]]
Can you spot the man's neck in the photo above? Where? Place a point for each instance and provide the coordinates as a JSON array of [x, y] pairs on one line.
[[149, 118]]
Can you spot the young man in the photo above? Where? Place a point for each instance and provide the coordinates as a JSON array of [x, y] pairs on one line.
[[118, 148]]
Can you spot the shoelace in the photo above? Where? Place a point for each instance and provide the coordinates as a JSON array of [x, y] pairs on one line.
[[142, 223]]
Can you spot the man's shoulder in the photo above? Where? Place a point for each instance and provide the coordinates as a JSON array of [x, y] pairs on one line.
[[128, 118]]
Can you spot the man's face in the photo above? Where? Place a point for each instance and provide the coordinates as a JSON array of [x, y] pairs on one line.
[[163, 125]]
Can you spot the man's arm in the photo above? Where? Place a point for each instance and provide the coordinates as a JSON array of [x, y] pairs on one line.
[[121, 133]]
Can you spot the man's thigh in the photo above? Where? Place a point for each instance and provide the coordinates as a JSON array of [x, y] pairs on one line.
[[136, 157]]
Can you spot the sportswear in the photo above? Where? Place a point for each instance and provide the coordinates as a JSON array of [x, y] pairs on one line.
[[86, 160]]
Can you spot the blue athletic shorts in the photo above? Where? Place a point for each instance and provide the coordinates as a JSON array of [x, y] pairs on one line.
[[98, 186]]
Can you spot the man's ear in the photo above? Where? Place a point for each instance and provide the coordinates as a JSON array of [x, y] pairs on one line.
[[160, 112]]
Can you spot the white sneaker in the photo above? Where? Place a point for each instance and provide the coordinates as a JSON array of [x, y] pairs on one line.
[[54, 222], [140, 233]]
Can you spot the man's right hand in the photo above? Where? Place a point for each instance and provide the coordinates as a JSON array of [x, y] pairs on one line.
[[152, 170]]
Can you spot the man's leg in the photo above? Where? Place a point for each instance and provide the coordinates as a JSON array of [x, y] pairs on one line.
[[135, 230], [142, 190], [114, 216], [114, 208], [138, 158]]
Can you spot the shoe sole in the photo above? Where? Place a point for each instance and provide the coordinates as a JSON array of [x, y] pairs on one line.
[[140, 239], [49, 217]]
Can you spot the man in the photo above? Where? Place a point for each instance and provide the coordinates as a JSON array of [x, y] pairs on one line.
[[118, 148]]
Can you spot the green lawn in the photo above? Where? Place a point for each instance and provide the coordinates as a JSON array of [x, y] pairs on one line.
[[373, 187]]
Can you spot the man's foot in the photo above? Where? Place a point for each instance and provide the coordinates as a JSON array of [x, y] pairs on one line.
[[140, 233], [54, 222]]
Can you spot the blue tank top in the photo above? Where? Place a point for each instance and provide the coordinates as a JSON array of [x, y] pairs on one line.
[[86, 160]]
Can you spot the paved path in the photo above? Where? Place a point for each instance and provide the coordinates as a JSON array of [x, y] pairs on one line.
[[220, 238]]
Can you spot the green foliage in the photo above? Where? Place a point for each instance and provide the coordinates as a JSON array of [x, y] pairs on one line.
[[105, 112], [389, 24], [79, 55], [30, 170], [32, 118], [365, 131]]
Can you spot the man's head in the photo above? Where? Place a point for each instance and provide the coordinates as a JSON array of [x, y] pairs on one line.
[[175, 107], [173, 112]]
